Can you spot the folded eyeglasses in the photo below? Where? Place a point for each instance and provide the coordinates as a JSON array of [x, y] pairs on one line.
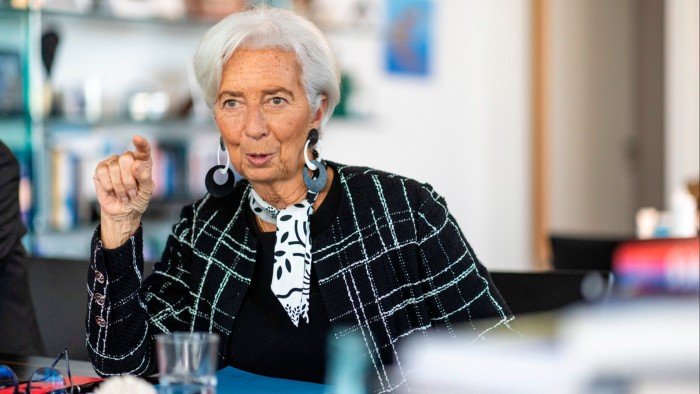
[[44, 379]]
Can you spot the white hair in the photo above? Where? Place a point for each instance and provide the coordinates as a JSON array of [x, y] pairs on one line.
[[263, 27]]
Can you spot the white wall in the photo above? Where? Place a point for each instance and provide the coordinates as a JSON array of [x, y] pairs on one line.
[[465, 129], [682, 93], [592, 109]]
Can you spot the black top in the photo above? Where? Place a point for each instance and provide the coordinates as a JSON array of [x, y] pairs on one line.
[[263, 339]]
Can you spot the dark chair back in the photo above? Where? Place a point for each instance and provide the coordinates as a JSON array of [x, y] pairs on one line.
[[59, 294], [583, 253], [19, 330], [531, 292]]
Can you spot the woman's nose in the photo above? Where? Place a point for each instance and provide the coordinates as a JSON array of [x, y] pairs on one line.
[[255, 126]]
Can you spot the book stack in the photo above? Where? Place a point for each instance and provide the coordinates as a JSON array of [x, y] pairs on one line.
[[65, 190]]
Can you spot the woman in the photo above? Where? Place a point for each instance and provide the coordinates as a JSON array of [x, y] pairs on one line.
[[300, 246]]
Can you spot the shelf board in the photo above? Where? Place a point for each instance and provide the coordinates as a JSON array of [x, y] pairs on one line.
[[13, 132], [175, 128], [11, 120], [9, 10], [360, 29], [99, 15], [75, 244]]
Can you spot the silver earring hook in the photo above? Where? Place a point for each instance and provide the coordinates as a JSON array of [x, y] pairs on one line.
[[309, 164], [219, 149]]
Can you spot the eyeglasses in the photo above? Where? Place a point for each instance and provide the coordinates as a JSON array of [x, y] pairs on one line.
[[45, 379]]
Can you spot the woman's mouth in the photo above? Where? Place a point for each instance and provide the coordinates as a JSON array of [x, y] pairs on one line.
[[259, 159]]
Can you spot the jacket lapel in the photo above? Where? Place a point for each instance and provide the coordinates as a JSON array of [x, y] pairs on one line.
[[226, 257]]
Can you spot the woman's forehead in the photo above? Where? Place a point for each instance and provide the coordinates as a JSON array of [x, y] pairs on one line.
[[257, 68]]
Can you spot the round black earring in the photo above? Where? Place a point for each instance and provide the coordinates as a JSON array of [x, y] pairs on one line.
[[220, 180]]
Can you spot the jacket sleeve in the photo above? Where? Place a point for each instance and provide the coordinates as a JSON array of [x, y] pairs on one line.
[[124, 312], [457, 287]]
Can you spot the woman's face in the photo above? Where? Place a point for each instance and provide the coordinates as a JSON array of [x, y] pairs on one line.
[[263, 114]]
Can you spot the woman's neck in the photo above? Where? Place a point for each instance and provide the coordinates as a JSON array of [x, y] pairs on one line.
[[268, 227], [283, 194]]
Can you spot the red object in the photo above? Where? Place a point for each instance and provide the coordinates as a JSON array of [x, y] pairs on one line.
[[667, 265], [38, 388]]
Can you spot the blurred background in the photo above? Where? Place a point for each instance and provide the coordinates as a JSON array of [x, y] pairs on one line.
[[535, 119]]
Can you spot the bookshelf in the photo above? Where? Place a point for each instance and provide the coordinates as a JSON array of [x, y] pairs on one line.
[[59, 135]]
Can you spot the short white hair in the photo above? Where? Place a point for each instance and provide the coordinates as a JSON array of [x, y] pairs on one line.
[[261, 28]]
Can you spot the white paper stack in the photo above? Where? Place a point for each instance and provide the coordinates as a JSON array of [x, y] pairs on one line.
[[638, 346]]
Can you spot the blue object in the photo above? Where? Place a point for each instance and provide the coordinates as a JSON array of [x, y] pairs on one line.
[[408, 38], [317, 184], [232, 380]]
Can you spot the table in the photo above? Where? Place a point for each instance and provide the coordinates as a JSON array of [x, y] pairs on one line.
[[232, 380]]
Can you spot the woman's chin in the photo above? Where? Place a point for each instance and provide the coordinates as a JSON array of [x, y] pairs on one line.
[[258, 174]]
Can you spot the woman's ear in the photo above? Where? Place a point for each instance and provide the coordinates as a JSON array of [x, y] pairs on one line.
[[318, 115]]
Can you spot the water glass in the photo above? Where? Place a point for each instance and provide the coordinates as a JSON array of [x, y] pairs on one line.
[[187, 362]]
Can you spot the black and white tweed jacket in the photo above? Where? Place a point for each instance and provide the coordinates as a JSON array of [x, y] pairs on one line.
[[393, 264]]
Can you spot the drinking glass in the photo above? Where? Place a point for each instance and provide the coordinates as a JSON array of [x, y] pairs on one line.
[[187, 362]]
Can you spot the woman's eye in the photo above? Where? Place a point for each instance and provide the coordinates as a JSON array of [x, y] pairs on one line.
[[277, 101], [230, 103]]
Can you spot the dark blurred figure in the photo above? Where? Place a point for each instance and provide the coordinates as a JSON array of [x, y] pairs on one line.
[[19, 332]]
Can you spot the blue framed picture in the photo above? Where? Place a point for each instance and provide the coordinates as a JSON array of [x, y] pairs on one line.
[[408, 36]]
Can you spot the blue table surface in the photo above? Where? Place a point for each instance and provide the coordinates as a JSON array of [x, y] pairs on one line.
[[232, 380]]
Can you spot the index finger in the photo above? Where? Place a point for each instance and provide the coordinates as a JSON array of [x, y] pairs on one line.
[[143, 148]]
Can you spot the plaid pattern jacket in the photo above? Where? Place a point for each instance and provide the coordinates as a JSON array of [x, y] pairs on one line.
[[393, 264]]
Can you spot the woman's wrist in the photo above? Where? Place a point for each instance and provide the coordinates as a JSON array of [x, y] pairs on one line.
[[115, 231]]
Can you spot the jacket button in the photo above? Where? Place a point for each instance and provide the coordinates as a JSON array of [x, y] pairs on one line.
[[99, 299], [99, 277], [100, 321]]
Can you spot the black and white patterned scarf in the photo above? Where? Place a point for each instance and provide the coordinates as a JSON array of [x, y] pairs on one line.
[[291, 275]]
